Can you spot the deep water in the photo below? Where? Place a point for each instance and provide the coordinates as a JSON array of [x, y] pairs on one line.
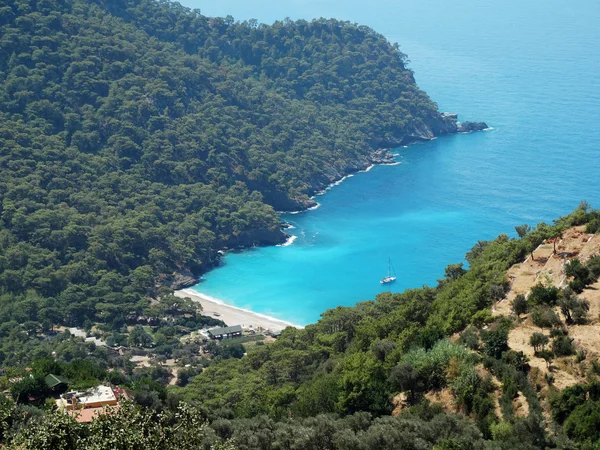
[[529, 69]]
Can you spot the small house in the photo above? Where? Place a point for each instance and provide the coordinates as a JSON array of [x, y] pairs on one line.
[[225, 332], [55, 383]]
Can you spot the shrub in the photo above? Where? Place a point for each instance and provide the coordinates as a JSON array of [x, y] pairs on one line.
[[469, 338], [544, 317], [538, 341], [519, 305], [431, 365], [563, 346], [518, 360], [542, 295], [481, 318], [573, 308], [584, 422], [495, 342], [593, 226]]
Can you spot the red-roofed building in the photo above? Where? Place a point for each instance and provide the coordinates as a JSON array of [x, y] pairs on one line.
[[89, 414]]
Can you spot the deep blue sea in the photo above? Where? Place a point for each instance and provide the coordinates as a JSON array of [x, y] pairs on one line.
[[531, 70]]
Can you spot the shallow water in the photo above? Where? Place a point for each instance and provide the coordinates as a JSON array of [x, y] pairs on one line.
[[528, 69]]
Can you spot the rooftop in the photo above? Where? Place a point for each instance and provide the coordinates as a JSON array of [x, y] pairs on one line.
[[54, 380], [97, 395], [225, 330], [87, 415]]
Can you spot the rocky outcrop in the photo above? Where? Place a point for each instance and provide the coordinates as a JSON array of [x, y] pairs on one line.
[[183, 279], [382, 156], [258, 236], [187, 277], [467, 127]]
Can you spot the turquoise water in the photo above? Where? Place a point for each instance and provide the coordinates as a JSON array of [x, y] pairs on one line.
[[529, 69]]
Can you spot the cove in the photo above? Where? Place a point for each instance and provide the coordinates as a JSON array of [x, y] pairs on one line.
[[528, 70]]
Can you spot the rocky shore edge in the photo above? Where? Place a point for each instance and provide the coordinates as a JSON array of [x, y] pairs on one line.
[[442, 124]]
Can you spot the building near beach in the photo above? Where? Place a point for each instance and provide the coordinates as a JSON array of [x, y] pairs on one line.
[[225, 332]]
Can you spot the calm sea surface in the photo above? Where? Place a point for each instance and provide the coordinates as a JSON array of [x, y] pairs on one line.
[[529, 69]]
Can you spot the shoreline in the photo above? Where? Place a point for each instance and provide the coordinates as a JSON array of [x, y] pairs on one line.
[[233, 315]]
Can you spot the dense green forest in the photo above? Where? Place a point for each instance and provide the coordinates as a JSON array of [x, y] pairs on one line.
[[334, 384], [138, 138]]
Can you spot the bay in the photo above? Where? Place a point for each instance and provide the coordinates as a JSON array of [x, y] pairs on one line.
[[529, 69]]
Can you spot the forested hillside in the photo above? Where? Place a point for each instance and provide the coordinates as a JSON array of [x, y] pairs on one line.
[[429, 368], [137, 138]]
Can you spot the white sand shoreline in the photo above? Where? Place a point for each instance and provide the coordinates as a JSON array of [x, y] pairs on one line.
[[232, 315]]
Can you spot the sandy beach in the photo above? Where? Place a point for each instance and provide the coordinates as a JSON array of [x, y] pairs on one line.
[[232, 315]]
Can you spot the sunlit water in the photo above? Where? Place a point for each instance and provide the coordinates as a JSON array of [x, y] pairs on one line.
[[529, 69]]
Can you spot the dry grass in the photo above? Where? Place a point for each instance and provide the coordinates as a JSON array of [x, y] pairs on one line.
[[548, 268]]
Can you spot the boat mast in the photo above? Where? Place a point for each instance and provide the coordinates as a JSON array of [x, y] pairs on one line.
[[391, 268]]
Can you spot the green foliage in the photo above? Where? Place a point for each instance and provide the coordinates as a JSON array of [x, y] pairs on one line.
[[547, 356], [126, 428], [470, 338], [495, 342], [583, 423], [543, 295], [573, 308], [138, 138], [583, 274], [404, 377], [563, 346], [31, 389], [538, 341], [544, 317], [431, 365], [519, 305], [518, 360]]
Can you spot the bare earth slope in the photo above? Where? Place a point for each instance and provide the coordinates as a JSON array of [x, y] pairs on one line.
[[548, 269]]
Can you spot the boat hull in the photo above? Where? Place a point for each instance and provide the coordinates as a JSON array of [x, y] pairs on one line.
[[388, 280]]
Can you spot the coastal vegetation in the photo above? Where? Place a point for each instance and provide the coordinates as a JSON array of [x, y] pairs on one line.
[[369, 376], [138, 139]]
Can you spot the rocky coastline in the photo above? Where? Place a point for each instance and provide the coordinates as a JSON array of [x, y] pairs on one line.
[[440, 125]]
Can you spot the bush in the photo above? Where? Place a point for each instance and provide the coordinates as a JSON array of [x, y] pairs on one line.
[[495, 342], [542, 295], [544, 317], [577, 286], [583, 423], [481, 318], [593, 226], [464, 388], [405, 378], [518, 360], [469, 338], [573, 308], [563, 346], [431, 365], [538, 341], [596, 366], [519, 305]]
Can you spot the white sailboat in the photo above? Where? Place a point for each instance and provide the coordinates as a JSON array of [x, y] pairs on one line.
[[389, 278]]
